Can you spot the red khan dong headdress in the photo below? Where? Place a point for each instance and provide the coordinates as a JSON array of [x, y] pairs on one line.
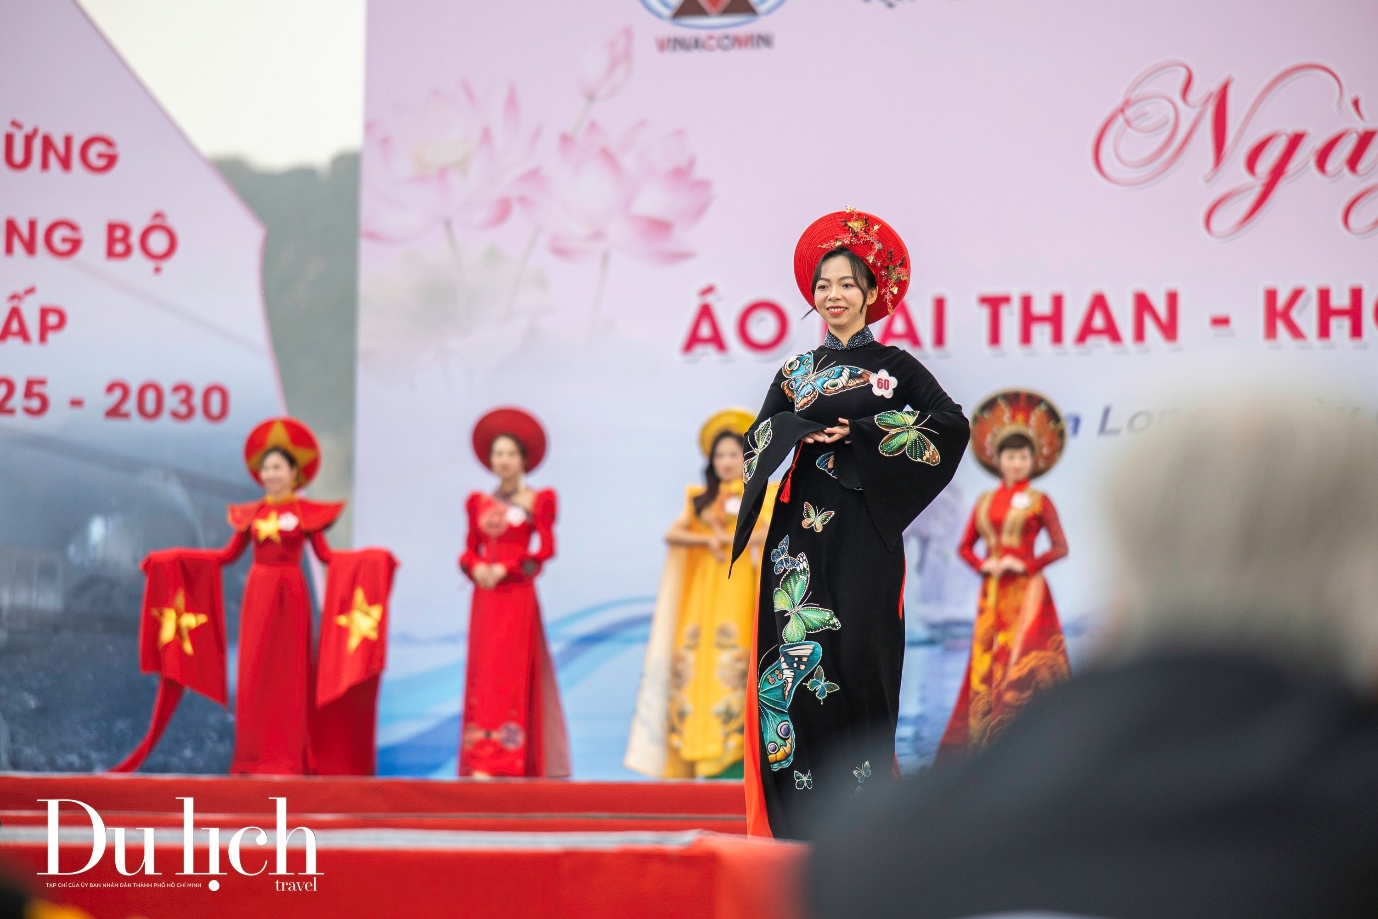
[[877, 244], [287, 434], [513, 422], [1018, 411]]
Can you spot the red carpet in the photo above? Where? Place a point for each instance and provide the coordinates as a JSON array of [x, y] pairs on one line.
[[405, 847]]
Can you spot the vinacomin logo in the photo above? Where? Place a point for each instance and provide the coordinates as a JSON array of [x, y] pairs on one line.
[[712, 14]]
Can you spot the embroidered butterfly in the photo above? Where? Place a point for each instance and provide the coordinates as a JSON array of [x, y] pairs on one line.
[[862, 773], [775, 691], [757, 440], [816, 518], [781, 558], [825, 462], [820, 685], [803, 780], [803, 384], [789, 598], [905, 436]]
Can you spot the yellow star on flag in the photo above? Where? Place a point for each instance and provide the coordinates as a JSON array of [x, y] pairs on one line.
[[269, 527], [362, 620], [177, 622]]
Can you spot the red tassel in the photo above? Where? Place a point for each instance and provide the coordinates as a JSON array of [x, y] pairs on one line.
[[789, 477]]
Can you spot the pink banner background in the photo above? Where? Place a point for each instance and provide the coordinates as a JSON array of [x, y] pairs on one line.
[[552, 193]]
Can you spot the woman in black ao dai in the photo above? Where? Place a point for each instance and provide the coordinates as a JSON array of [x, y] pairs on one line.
[[875, 440]]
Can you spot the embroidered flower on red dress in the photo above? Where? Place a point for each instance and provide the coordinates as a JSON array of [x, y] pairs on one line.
[[511, 736], [493, 520]]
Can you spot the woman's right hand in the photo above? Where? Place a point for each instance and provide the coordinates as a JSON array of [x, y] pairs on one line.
[[829, 435], [991, 566]]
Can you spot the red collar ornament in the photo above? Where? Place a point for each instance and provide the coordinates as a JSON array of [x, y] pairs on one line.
[[877, 244], [513, 422], [287, 434]]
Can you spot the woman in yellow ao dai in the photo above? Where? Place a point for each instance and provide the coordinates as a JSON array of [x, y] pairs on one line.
[[690, 708]]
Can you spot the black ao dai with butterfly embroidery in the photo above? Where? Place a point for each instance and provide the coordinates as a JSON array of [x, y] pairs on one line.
[[830, 627]]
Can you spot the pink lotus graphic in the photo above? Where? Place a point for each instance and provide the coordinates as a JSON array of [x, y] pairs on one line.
[[604, 71], [634, 195], [459, 161], [455, 158]]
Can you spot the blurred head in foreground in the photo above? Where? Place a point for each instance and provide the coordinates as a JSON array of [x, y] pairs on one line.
[[1251, 525], [1221, 760]]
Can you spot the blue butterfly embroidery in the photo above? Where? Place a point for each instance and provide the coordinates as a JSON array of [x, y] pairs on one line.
[[825, 462], [820, 685], [803, 384], [775, 691], [782, 560], [803, 780]]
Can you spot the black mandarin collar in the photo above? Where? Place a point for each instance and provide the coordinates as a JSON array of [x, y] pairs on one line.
[[864, 337]]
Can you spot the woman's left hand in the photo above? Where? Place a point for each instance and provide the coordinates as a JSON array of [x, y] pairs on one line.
[[842, 429], [1014, 565]]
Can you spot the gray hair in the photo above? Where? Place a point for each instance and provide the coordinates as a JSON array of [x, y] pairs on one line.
[[1252, 525]]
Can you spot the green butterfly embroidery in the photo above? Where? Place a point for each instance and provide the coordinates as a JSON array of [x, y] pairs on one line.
[[803, 780], [820, 685], [757, 440], [906, 437], [775, 691], [804, 617]]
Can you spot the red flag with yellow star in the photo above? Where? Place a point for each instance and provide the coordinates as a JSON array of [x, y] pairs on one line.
[[353, 650], [181, 636]]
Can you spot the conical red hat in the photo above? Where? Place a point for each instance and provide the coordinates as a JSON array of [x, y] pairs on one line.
[[877, 244]]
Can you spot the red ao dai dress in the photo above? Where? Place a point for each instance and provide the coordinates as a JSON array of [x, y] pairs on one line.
[[513, 723], [273, 695], [1017, 646]]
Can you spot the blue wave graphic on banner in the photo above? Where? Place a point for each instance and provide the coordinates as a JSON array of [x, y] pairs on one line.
[[419, 714]]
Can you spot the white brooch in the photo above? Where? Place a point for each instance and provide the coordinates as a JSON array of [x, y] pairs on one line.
[[732, 505], [288, 521], [1021, 500], [515, 516], [883, 385]]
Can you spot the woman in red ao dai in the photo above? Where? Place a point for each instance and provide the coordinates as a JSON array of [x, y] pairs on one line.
[[513, 723]]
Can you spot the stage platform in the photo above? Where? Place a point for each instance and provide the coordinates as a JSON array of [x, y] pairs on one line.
[[406, 847]]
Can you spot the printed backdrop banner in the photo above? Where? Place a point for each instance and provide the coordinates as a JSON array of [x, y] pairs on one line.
[[589, 210], [134, 358]]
